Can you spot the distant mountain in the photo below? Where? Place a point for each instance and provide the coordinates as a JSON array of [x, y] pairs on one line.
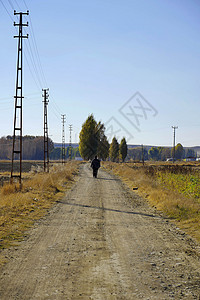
[[147, 147]]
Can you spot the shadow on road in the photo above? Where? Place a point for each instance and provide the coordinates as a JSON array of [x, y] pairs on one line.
[[107, 209]]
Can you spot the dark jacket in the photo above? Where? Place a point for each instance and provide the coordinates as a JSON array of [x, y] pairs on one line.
[[95, 163]]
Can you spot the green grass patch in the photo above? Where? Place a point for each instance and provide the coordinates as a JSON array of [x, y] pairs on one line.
[[185, 184]]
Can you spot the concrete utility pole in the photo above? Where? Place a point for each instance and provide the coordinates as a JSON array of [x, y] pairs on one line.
[[46, 139], [174, 129], [63, 138], [70, 141], [17, 134], [142, 154]]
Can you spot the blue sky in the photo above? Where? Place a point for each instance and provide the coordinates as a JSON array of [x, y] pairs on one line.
[[134, 64]]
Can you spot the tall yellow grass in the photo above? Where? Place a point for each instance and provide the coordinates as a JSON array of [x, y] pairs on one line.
[[19, 208], [185, 211]]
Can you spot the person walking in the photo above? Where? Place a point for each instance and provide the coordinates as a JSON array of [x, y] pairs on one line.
[[95, 165]]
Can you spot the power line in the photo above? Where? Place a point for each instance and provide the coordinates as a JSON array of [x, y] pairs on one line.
[[32, 52], [11, 4], [7, 11], [25, 4], [37, 54], [54, 112], [32, 59], [29, 51], [36, 57], [17, 5]]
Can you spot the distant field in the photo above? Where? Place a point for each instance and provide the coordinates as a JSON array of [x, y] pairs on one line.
[[27, 166], [5, 166]]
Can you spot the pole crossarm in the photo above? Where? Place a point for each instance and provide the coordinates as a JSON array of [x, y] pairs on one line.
[[21, 13]]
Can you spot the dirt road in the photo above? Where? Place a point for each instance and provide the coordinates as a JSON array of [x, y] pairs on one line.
[[102, 242]]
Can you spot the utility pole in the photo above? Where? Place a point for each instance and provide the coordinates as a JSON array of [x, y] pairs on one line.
[[17, 133], [142, 154], [46, 139], [70, 141], [174, 129], [63, 138]]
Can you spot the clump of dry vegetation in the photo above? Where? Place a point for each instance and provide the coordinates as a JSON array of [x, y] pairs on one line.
[[172, 189], [19, 208]]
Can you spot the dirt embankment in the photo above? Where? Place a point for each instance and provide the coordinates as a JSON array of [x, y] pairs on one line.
[[102, 241]]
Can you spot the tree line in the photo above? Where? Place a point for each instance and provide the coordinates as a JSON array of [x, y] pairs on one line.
[[32, 147], [160, 153], [56, 153], [93, 141]]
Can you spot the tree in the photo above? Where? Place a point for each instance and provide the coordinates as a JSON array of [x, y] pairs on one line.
[[179, 151], [190, 153], [103, 148], [55, 154], [33, 147], [103, 144], [88, 138], [154, 153], [123, 149], [114, 150], [165, 153], [93, 140]]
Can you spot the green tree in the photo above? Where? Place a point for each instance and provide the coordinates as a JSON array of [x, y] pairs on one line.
[[93, 140], [103, 148], [154, 153], [179, 151], [165, 153], [88, 138], [136, 153], [114, 150], [123, 149], [5, 148], [56, 154], [103, 144], [190, 153]]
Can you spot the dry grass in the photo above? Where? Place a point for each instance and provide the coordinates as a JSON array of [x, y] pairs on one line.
[[20, 208], [183, 208]]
